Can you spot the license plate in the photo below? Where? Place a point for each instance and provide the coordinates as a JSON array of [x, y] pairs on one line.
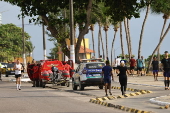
[[96, 75], [12, 72]]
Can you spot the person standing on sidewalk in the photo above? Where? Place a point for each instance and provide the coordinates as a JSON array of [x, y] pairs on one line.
[[118, 59], [139, 66], [114, 66], [107, 73], [143, 63], [166, 69], [0, 71], [155, 66], [132, 65], [123, 77], [18, 68]]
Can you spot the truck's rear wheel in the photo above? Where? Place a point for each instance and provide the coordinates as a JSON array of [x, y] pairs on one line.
[[81, 86], [73, 85]]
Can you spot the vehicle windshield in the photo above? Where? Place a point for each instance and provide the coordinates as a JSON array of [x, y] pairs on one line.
[[10, 65], [95, 65]]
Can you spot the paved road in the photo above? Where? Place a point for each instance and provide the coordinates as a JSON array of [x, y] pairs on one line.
[[39, 100], [64, 99]]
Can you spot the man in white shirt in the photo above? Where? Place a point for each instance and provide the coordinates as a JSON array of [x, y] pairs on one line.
[[18, 68], [118, 59]]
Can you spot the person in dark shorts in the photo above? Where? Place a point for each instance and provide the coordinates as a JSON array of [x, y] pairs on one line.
[[139, 66], [107, 73], [132, 65], [18, 68], [123, 77], [155, 66], [166, 70]]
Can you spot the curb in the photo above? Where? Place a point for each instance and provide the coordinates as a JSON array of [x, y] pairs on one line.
[[127, 109], [100, 100], [154, 101]]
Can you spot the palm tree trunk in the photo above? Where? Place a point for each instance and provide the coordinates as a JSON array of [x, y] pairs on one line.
[[162, 38], [142, 30], [92, 32], [99, 42], [127, 37], [106, 44], [112, 47], [121, 39], [130, 42], [102, 41], [158, 52]]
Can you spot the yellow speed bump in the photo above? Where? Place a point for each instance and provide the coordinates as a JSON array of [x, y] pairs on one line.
[[143, 92], [92, 100], [104, 103], [149, 91], [133, 110], [138, 93], [132, 90], [105, 98], [138, 111], [128, 109], [120, 96], [132, 94], [100, 99], [127, 95]]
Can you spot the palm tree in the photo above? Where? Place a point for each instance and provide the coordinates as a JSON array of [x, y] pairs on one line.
[[92, 32], [161, 6], [121, 40], [162, 38], [143, 25], [130, 42], [101, 39], [115, 30], [106, 28], [127, 37]]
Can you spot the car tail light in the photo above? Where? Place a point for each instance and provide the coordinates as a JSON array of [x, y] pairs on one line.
[[84, 71]]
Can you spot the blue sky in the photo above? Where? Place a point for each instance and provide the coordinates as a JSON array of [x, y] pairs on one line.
[[150, 38]]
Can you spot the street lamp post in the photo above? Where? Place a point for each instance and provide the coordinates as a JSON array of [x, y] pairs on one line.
[[72, 54], [23, 37], [44, 42]]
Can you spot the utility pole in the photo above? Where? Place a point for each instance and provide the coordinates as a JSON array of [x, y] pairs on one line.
[[44, 42], [72, 54], [23, 38]]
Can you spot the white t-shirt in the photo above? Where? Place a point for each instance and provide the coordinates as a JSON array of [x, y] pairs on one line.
[[19, 69], [118, 61]]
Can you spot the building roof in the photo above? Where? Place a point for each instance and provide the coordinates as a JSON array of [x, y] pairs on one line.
[[81, 50], [87, 50]]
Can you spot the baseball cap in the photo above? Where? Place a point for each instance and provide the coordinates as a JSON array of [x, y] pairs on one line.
[[122, 62], [166, 52]]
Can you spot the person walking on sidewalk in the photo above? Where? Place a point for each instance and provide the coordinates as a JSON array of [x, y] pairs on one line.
[[143, 63], [107, 73], [132, 65], [155, 66], [123, 77], [139, 66], [18, 68], [166, 69]]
